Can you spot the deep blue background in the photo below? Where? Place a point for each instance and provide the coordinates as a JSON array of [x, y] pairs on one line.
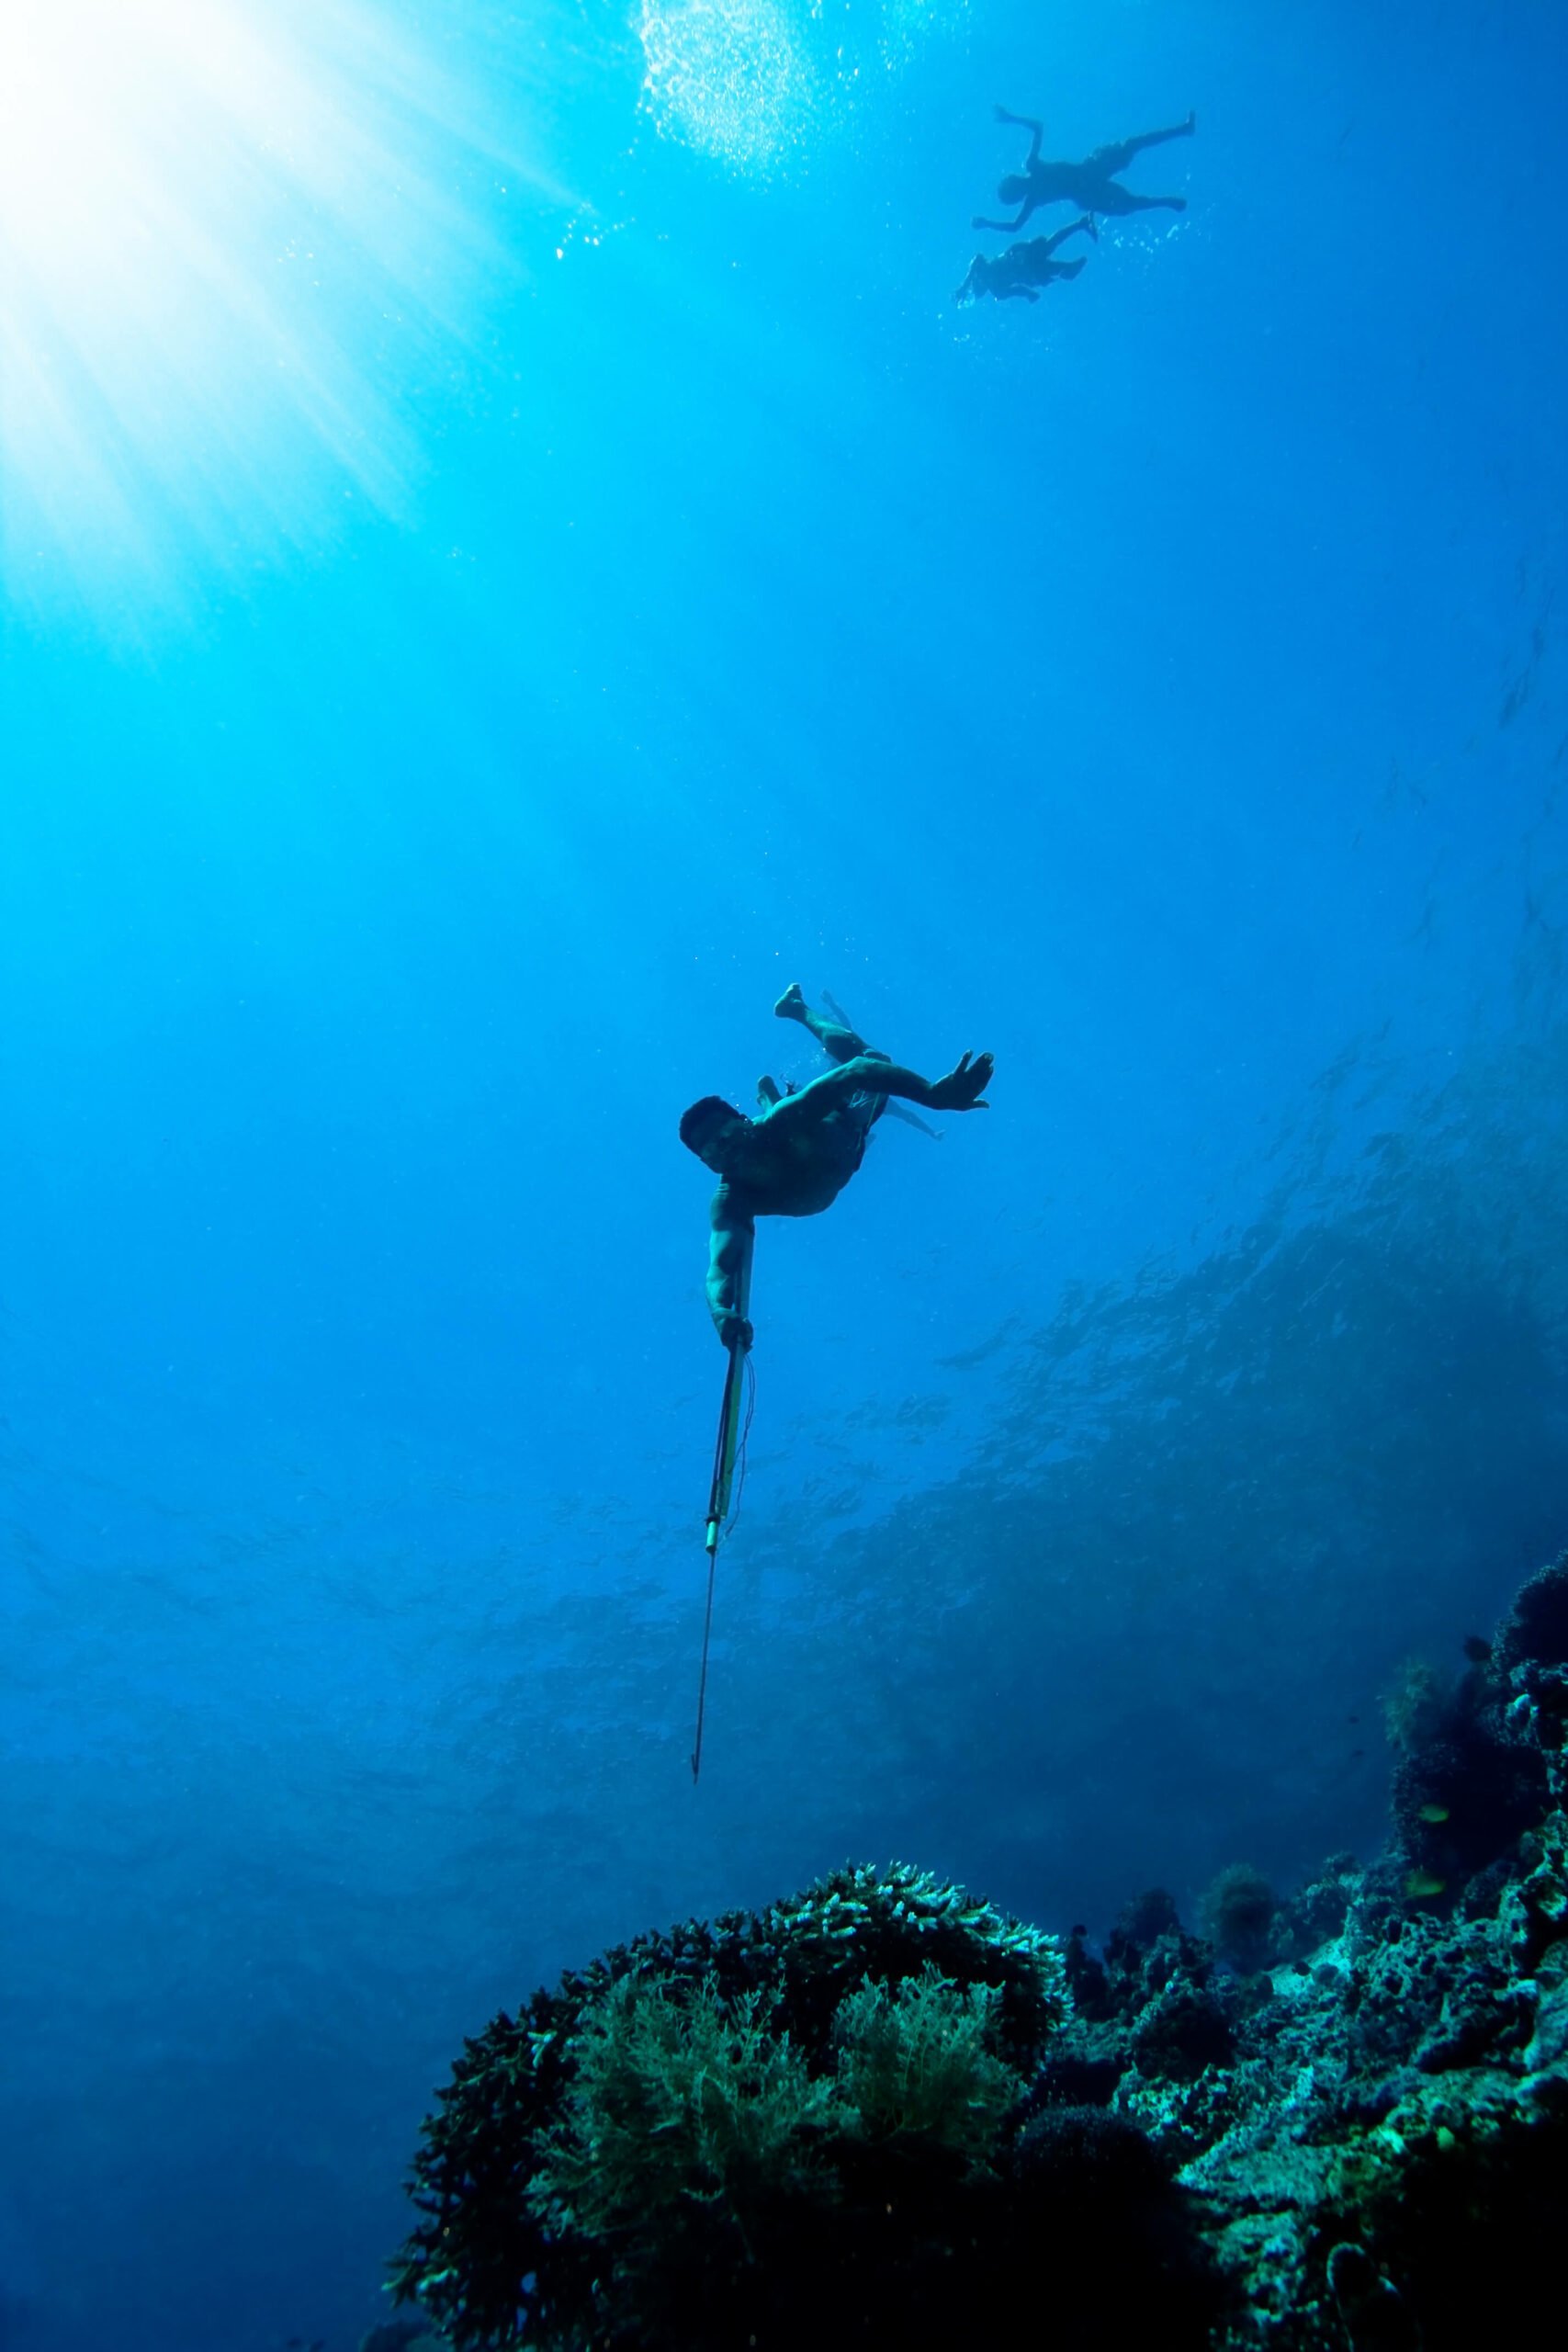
[[1161, 686]]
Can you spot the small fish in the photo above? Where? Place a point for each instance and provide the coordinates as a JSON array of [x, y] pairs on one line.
[[1434, 1812], [1419, 1883]]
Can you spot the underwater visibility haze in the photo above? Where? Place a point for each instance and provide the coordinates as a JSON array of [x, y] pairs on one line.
[[515, 552]]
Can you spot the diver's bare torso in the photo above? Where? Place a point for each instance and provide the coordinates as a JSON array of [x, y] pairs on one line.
[[801, 1151]]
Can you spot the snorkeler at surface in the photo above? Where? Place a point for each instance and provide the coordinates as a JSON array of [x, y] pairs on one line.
[[1023, 269], [1091, 184], [797, 1155]]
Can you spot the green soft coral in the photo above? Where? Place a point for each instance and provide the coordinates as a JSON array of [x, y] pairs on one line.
[[916, 2062], [672, 2099]]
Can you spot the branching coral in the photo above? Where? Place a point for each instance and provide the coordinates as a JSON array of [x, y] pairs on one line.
[[893, 1924]]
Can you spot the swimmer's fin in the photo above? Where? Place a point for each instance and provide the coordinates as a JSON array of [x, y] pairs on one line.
[[892, 1109]]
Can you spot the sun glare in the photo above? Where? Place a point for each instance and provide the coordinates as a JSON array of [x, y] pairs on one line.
[[227, 245]]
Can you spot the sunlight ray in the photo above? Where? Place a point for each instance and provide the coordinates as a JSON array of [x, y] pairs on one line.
[[230, 240]]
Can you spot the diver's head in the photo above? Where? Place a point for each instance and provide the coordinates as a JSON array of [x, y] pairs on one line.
[[1013, 190], [711, 1128]]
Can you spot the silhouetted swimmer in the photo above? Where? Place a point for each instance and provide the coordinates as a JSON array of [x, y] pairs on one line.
[[1024, 268], [1091, 184], [795, 1158]]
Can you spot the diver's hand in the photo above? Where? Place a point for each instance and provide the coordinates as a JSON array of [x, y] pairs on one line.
[[733, 1327], [964, 1084]]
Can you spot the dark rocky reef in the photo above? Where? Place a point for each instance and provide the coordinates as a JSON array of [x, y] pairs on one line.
[[1367, 2107], [1333, 2123]]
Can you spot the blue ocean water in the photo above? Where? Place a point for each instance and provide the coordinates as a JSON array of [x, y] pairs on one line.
[[513, 554]]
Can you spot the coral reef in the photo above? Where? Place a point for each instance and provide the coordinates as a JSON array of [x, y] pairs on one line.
[[1376, 2159], [789, 2124], [1398, 2083], [883, 2113]]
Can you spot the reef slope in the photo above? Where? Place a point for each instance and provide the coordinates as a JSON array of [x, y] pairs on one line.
[[882, 2112]]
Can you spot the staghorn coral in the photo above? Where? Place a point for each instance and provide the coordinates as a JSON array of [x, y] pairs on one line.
[[893, 1924]]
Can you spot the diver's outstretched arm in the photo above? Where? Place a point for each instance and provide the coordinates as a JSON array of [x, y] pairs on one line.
[[1006, 227], [729, 1268], [961, 1090]]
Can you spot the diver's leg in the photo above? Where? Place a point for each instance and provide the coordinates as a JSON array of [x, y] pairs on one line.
[[1067, 269], [837, 1039], [1121, 152], [1157, 138], [872, 1053], [1116, 203], [1084, 227], [840, 1043]]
